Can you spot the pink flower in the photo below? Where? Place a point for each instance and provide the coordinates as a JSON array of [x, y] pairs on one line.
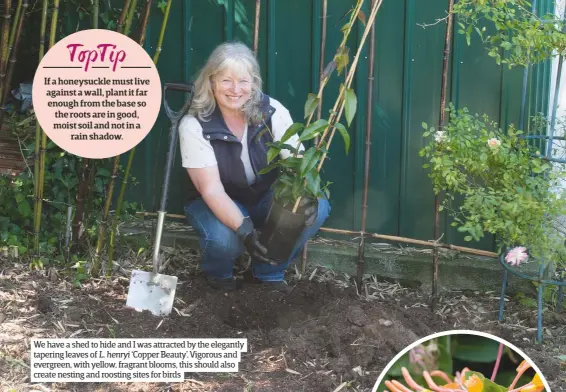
[[493, 143], [416, 356], [516, 256]]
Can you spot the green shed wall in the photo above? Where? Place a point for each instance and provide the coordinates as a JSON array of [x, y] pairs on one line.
[[408, 65]]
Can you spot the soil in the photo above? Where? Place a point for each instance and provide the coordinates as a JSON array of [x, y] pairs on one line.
[[320, 337]]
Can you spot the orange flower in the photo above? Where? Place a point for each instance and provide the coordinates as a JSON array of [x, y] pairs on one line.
[[474, 384], [452, 385], [535, 385]]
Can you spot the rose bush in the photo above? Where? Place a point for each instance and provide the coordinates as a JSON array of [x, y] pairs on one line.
[[508, 189]]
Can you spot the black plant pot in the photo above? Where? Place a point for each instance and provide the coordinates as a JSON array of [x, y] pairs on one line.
[[281, 232]]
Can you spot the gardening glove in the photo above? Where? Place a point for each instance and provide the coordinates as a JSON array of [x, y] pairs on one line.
[[309, 208], [250, 237]]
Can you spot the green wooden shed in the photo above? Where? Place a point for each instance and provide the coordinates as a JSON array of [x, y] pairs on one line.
[[406, 92]]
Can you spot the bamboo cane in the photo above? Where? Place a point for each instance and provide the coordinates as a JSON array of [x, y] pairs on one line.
[[162, 33], [83, 186], [326, 78], [319, 108], [478, 252], [14, 26], [355, 14], [5, 37], [340, 102], [123, 16], [95, 9], [116, 165], [391, 238], [100, 240], [19, 23], [102, 228], [256, 25], [130, 17], [41, 180], [442, 117], [322, 55], [116, 217], [38, 136], [145, 18], [367, 156], [87, 169]]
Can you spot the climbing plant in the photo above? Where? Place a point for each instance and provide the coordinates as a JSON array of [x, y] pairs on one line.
[[508, 188], [513, 35]]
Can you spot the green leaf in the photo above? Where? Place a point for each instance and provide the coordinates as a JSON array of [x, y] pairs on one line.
[[311, 104], [269, 168], [313, 182], [162, 5], [351, 105], [272, 154], [292, 130], [103, 172], [529, 302], [396, 369], [342, 59], [310, 160], [473, 348], [490, 386], [98, 185], [345, 135], [314, 129], [24, 208]]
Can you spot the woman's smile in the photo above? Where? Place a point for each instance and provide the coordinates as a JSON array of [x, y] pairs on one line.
[[232, 89]]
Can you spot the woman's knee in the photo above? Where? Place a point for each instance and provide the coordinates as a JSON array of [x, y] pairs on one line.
[[214, 235], [223, 240]]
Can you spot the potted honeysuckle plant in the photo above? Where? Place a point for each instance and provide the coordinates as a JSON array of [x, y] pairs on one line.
[[508, 188], [299, 184]]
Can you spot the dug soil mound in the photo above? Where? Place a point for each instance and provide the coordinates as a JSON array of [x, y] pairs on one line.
[[319, 333]]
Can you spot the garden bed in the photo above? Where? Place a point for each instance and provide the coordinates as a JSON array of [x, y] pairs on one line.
[[321, 336]]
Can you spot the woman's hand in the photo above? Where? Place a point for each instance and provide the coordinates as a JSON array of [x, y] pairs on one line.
[[250, 237]]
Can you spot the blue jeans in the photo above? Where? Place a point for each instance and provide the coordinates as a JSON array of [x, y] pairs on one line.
[[221, 246]]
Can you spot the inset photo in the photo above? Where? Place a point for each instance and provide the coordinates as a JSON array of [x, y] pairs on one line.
[[461, 361]]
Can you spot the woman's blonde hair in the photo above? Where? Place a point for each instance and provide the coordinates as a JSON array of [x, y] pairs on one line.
[[229, 55]]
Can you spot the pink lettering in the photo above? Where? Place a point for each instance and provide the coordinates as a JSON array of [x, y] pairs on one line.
[[73, 50], [102, 53]]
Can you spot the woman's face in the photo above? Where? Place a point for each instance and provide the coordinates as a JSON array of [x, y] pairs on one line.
[[232, 89]]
